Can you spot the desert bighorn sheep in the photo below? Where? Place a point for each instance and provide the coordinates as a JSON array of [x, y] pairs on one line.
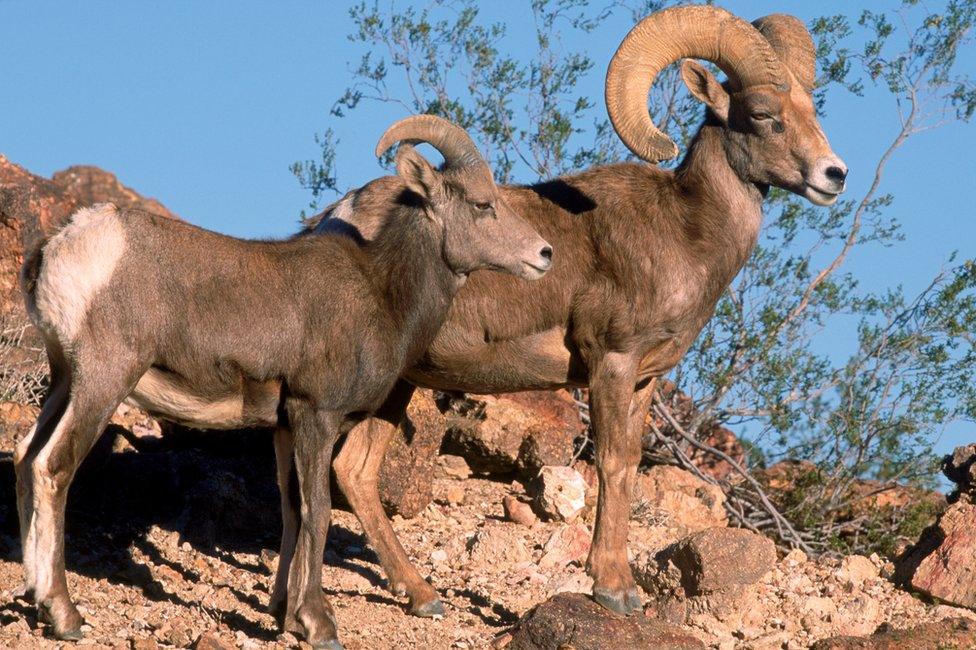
[[311, 332], [644, 255]]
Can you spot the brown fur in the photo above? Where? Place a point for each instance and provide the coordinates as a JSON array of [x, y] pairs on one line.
[[310, 333], [643, 255]]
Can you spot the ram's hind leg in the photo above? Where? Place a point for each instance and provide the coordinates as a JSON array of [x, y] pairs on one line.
[[95, 391], [27, 449], [357, 471]]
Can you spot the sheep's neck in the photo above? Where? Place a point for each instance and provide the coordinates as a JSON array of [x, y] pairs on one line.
[[408, 269], [727, 208]]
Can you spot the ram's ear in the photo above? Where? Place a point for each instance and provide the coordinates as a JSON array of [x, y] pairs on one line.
[[706, 88], [419, 175]]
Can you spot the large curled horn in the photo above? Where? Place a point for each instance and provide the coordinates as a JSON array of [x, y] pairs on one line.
[[794, 45], [694, 31], [452, 141]]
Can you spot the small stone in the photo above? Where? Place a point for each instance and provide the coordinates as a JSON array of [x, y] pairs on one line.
[[520, 513], [439, 556], [210, 641], [560, 492], [570, 543], [497, 545], [856, 569], [450, 466], [455, 494]]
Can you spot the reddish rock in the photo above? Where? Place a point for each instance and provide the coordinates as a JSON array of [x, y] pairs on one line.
[[519, 432], [406, 481], [518, 512], [941, 564], [686, 501], [575, 621], [570, 543], [947, 633], [211, 641]]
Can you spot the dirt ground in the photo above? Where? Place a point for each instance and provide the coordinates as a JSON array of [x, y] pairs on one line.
[[171, 542]]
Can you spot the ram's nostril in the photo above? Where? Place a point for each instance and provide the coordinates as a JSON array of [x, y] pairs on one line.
[[836, 173], [546, 253]]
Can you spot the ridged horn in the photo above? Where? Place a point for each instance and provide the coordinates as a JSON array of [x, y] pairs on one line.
[[664, 37], [457, 147], [794, 45]]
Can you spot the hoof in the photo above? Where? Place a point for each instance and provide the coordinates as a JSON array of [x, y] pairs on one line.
[[331, 644], [634, 600], [431, 609], [70, 635], [618, 602]]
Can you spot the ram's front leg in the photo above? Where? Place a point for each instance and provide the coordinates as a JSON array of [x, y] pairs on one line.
[[617, 407]]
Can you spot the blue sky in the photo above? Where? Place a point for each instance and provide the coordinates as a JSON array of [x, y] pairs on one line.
[[204, 105]]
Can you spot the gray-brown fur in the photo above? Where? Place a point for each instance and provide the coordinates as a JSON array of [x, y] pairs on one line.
[[309, 333], [644, 256]]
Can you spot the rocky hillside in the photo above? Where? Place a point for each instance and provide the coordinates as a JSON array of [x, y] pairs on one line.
[[171, 534]]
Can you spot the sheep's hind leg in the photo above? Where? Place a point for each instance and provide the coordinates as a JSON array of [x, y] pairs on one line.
[[357, 471], [26, 451], [284, 445], [96, 388]]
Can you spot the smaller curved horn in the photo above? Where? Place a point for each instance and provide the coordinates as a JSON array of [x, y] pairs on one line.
[[457, 147], [793, 44]]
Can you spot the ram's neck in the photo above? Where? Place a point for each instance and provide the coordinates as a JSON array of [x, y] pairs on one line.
[[409, 272], [728, 209]]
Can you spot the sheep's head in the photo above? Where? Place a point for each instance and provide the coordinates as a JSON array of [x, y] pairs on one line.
[[771, 133], [480, 230]]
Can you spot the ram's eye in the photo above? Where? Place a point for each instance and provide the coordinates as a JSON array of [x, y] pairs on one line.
[[761, 116], [484, 207]]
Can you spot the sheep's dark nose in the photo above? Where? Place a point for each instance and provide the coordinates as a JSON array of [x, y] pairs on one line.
[[837, 174], [546, 253]]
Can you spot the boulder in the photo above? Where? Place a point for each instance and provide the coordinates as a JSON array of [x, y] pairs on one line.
[[710, 571], [960, 468], [406, 480], [574, 621], [947, 633], [560, 493], [515, 433], [941, 563], [686, 501]]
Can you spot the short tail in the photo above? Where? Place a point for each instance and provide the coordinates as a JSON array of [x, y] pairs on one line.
[[29, 272]]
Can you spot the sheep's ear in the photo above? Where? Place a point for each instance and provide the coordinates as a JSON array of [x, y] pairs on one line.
[[706, 88], [419, 175]]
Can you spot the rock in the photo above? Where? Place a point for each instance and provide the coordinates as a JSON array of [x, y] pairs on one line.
[[518, 432], [941, 563], [455, 495], [859, 617], [569, 543], [210, 641], [143, 643], [560, 493], [856, 569], [520, 513], [948, 633], [16, 420], [451, 466], [574, 621], [406, 479], [685, 500], [498, 545], [712, 571], [960, 468]]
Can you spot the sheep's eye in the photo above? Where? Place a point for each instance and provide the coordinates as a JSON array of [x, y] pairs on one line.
[[482, 206], [759, 117]]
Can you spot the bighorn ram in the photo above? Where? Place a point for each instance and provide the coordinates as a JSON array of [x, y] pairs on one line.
[[205, 328], [644, 255]]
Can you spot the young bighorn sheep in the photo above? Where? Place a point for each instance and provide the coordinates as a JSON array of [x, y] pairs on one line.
[[202, 327], [645, 255]]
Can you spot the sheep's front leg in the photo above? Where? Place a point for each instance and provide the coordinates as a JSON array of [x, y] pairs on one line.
[[616, 411], [284, 445], [315, 432]]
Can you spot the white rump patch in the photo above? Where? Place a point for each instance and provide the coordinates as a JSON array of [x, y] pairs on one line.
[[78, 261]]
